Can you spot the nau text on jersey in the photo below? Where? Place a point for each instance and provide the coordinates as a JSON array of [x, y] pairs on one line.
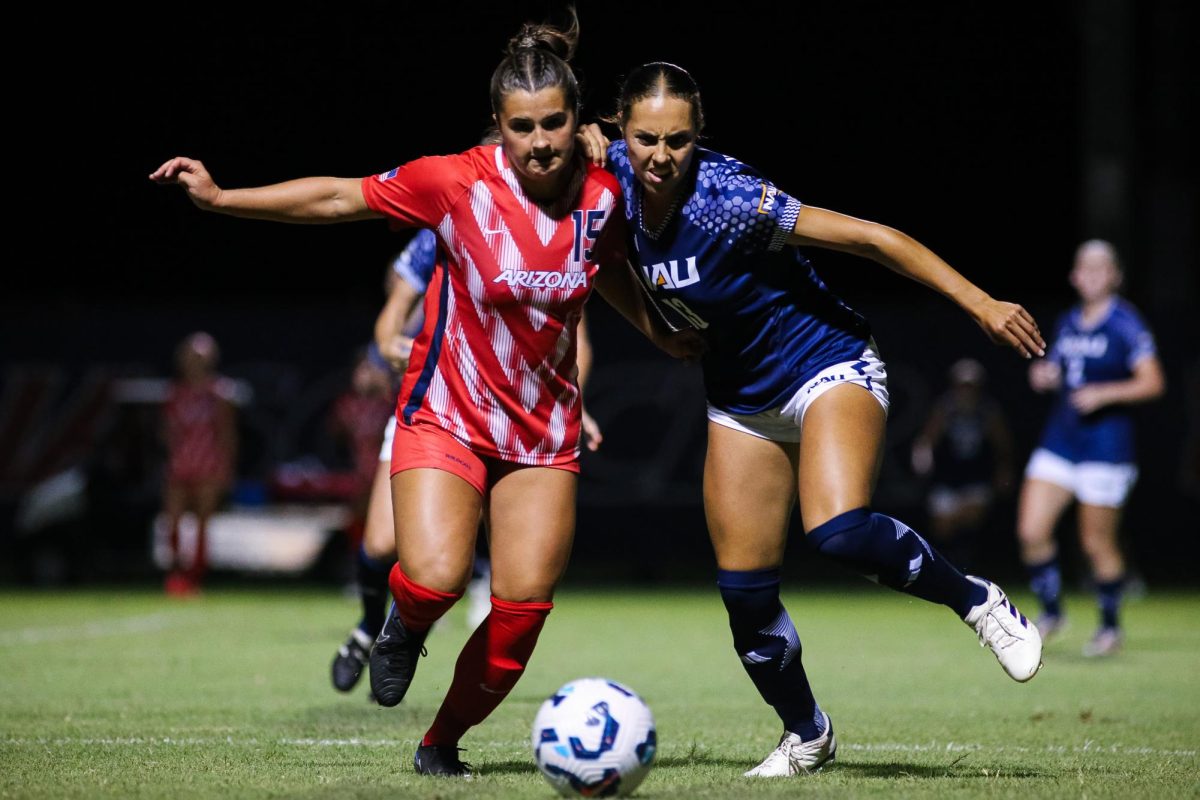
[[1083, 345], [766, 203], [541, 279], [666, 275]]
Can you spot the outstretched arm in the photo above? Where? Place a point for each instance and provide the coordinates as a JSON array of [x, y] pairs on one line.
[[1004, 323], [307, 200]]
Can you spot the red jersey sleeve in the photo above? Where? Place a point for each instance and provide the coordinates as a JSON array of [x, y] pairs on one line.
[[420, 193]]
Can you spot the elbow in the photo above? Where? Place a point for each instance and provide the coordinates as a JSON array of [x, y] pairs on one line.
[[879, 243]]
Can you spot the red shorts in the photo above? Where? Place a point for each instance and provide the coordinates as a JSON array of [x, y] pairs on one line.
[[425, 446]]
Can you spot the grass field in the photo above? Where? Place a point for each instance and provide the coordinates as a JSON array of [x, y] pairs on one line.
[[127, 694]]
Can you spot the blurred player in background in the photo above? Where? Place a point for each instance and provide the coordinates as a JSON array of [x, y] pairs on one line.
[[797, 394], [1102, 360], [400, 319], [357, 417], [200, 430], [489, 408], [966, 450]]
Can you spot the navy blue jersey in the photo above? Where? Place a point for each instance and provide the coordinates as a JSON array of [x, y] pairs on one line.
[[719, 265], [1106, 351], [414, 265], [416, 261]]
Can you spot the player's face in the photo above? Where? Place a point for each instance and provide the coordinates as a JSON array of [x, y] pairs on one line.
[[661, 142], [537, 131], [1094, 275]]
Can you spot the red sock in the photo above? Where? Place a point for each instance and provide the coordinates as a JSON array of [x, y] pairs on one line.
[[418, 606], [200, 557], [488, 668]]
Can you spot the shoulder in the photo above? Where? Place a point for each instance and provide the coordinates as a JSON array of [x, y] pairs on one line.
[[1126, 315], [734, 200], [446, 169], [603, 179]]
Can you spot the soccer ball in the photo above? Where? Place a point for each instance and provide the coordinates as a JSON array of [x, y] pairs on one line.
[[594, 738]]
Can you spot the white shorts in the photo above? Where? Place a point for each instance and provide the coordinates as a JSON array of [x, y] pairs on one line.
[[946, 500], [389, 432], [1094, 483], [783, 424]]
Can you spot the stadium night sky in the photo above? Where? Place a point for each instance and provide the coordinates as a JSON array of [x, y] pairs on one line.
[[950, 121]]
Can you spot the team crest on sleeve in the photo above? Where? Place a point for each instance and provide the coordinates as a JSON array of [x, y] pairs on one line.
[[766, 203]]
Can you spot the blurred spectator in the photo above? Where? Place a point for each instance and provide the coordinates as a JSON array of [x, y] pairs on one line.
[[966, 449], [357, 420], [201, 438]]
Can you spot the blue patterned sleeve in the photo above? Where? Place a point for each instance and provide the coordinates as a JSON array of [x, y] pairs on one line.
[[416, 261], [735, 203], [1139, 341]]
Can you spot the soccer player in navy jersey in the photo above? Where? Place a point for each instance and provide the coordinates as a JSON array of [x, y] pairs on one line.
[[797, 393], [1102, 360]]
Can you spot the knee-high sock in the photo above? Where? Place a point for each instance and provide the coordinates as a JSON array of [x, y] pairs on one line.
[[1045, 580], [888, 551], [418, 606], [488, 667], [1108, 593], [372, 591], [200, 557], [769, 647]]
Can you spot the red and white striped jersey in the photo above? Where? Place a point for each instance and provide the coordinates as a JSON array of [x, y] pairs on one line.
[[494, 364], [197, 447]]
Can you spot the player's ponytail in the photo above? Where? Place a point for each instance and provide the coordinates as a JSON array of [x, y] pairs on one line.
[[536, 59]]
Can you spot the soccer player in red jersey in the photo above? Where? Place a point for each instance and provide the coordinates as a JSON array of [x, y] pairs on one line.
[[201, 437], [489, 406]]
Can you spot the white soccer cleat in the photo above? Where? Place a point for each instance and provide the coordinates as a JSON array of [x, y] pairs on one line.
[[794, 756], [1000, 627]]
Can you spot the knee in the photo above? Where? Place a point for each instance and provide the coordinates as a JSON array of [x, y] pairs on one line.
[[379, 542], [841, 535], [440, 572]]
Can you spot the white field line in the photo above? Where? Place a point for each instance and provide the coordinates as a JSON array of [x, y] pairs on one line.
[[146, 623], [1088, 746]]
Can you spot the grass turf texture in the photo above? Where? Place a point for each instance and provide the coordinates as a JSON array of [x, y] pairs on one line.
[[127, 694]]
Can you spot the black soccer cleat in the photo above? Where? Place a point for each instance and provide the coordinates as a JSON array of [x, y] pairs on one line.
[[394, 661], [440, 760], [349, 661]]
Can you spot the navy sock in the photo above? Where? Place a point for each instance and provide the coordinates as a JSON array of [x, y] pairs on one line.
[[373, 590], [1109, 595], [1045, 580], [888, 551], [767, 643]]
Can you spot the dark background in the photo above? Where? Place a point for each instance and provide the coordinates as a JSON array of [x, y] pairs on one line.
[[1001, 138]]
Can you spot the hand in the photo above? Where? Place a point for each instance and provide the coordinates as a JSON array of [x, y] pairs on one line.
[[1008, 323], [1045, 376], [687, 344], [593, 143], [194, 178], [1087, 399], [396, 351], [592, 438]]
